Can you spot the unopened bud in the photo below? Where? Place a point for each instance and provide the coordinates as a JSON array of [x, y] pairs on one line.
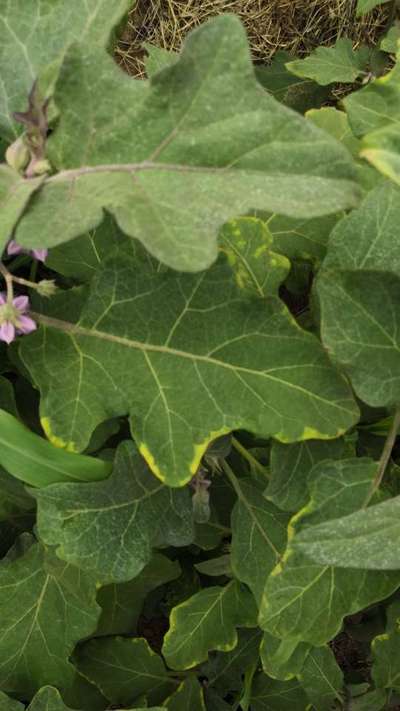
[[46, 287], [41, 167], [17, 155]]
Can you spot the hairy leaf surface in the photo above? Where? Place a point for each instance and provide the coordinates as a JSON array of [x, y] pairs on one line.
[[110, 527], [327, 65], [207, 621], [174, 160]]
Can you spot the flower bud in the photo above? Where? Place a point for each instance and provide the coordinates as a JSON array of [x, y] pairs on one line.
[[41, 167], [46, 287], [17, 155]]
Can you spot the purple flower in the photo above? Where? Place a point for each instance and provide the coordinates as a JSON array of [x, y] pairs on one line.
[[13, 318], [15, 248]]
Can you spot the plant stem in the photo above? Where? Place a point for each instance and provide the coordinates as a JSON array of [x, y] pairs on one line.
[[24, 282], [385, 457], [254, 463], [9, 282]]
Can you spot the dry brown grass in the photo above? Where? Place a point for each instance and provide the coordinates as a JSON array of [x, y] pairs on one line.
[[295, 25]]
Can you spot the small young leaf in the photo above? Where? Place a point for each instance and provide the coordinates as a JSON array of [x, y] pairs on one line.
[[15, 193], [327, 65], [124, 669], [299, 95], [29, 457], [110, 527], [390, 42], [207, 621]]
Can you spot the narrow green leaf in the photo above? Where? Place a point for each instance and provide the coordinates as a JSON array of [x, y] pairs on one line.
[[290, 467], [189, 695], [207, 621], [247, 244], [258, 535], [322, 679], [121, 604], [366, 539], [36, 589], [327, 65], [31, 458], [386, 652], [35, 37], [110, 527], [246, 363], [198, 152], [364, 6], [307, 601], [124, 669], [271, 695]]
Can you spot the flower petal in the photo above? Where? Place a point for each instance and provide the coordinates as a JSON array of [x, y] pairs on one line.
[[40, 254], [14, 248], [26, 325], [7, 332], [21, 303]]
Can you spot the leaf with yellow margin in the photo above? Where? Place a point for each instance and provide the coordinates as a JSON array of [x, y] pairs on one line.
[[189, 358]]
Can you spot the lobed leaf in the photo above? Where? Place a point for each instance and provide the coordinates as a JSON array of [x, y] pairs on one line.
[[327, 65]]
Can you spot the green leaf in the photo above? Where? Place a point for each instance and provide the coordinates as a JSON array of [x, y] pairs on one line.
[[246, 364], [110, 527], [258, 535], [207, 621], [198, 159], [369, 354], [124, 669], [247, 244], [306, 601], [47, 699], [271, 695], [189, 695], [215, 567], [300, 95], [7, 397], [301, 239], [375, 223], [224, 670], [322, 679], [283, 659], [157, 58], [390, 42], [15, 193], [364, 6], [386, 652], [8, 704], [376, 106], [290, 467], [327, 65], [364, 539], [14, 499], [31, 458], [35, 37], [121, 604], [373, 701], [46, 607]]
